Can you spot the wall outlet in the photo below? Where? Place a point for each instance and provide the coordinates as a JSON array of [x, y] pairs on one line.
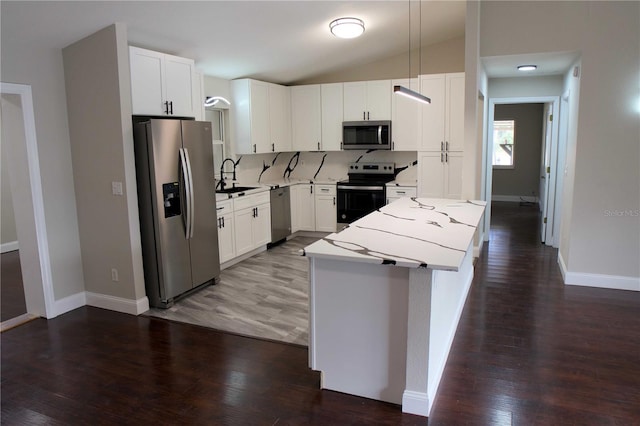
[[116, 188], [114, 274]]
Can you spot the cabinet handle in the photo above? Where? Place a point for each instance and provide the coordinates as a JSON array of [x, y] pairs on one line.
[[318, 146], [222, 221], [393, 145], [334, 201], [364, 116], [368, 118], [400, 192], [446, 157], [341, 145], [171, 105], [311, 189], [442, 157], [441, 146], [254, 148], [219, 223], [166, 107], [273, 147], [446, 146]]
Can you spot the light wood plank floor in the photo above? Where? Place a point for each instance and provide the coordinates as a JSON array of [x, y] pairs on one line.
[[265, 296]]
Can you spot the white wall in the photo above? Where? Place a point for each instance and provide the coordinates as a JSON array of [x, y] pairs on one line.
[[41, 68], [526, 87], [8, 233], [102, 151], [606, 174]]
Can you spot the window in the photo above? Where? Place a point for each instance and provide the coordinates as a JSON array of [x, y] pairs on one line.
[[504, 135], [217, 119]]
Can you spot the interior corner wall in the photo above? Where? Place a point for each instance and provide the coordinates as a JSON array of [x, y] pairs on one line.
[[523, 180], [39, 66], [603, 228], [98, 149]]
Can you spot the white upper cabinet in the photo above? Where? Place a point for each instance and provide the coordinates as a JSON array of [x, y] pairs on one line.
[[443, 119], [306, 118], [161, 84], [332, 116], [406, 118], [367, 100], [261, 118]]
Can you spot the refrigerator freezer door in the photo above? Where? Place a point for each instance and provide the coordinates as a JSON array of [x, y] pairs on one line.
[[205, 260], [172, 247]]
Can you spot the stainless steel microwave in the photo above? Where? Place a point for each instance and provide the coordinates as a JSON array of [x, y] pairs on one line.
[[366, 135]]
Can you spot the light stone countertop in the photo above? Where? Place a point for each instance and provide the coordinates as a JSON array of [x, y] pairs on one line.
[[410, 232], [267, 185]]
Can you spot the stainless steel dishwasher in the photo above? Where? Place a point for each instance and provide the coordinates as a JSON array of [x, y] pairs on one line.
[[280, 214]]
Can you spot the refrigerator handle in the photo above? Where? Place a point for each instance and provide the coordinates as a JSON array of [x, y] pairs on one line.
[[185, 181], [191, 201]]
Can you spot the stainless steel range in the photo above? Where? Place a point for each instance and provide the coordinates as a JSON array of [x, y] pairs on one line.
[[364, 191]]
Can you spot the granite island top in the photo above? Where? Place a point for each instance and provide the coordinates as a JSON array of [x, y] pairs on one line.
[[410, 232], [268, 185]]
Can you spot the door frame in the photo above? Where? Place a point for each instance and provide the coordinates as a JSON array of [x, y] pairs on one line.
[[39, 295], [555, 143]]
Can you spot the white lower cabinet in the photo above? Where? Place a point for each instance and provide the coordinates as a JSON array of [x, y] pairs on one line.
[[440, 174], [397, 192], [226, 233], [245, 226], [325, 208], [303, 215]]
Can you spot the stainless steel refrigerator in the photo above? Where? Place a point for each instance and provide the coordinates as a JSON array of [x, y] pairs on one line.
[[177, 205]]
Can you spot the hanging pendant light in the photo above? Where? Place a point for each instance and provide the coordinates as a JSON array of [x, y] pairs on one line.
[[405, 91]]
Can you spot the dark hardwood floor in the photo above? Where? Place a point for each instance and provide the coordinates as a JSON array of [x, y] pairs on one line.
[[528, 351], [12, 303]]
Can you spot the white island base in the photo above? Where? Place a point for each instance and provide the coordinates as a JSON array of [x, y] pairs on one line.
[[382, 331]]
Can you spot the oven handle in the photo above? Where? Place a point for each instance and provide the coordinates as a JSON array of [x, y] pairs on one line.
[[379, 135], [365, 188]]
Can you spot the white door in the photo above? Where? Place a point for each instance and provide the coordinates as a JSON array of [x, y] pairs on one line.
[[305, 117], [179, 85], [379, 100], [545, 169], [260, 125], [355, 101], [433, 121], [326, 213], [226, 238], [147, 95], [307, 208], [453, 175], [243, 230], [262, 225], [431, 174], [406, 128], [280, 118], [332, 116]]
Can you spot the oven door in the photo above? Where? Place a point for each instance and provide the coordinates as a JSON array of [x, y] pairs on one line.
[[356, 201]]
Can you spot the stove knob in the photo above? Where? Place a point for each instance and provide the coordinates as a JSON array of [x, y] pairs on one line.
[[356, 167]]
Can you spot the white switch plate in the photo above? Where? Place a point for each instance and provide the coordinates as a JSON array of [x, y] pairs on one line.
[[116, 188], [114, 274]]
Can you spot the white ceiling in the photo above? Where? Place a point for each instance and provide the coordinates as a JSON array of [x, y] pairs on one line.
[[547, 63], [281, 42]]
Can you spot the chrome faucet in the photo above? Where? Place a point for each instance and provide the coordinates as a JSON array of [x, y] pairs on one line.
[[222, 172]]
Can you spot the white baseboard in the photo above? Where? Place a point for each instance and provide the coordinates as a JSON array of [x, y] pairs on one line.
[[10, 246], [615, 282], [242, 257], [515, 198], [415, 403], [478, 249], [118, 304], [68, 304]]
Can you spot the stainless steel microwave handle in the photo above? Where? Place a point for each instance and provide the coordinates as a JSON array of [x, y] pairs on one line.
[[379, 135]]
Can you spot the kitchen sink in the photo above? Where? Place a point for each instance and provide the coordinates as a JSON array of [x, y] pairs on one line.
[[235, 189]]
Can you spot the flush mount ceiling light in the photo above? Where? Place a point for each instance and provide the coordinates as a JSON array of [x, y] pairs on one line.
[[404, 91], [347, 27], [527, 67], [210, 101]]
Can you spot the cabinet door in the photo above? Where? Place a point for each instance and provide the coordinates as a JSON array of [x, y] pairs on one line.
[[307, 208], [243, 230], [306, 118], [259, 117], [146, 82], [454, 124], [280, 118], [326, 213], [355, 101], [294, 193], [332, 116], [379, 100], [453, 175], [433, 86], [431, 174], [406, 118], [226, 238], [179, 75], [261, 226]]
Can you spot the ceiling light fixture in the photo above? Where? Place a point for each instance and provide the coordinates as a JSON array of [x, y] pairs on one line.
[[527, 67], [347, 27], [210, 101], [405, 91]]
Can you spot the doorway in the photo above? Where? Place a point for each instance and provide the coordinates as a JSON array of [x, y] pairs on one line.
[[19, 133], [547, 160]]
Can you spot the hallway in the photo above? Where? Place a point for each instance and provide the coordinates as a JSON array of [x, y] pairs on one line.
[[528, 350]]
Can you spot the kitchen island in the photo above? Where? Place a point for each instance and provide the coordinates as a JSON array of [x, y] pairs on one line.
[[385, 297]]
